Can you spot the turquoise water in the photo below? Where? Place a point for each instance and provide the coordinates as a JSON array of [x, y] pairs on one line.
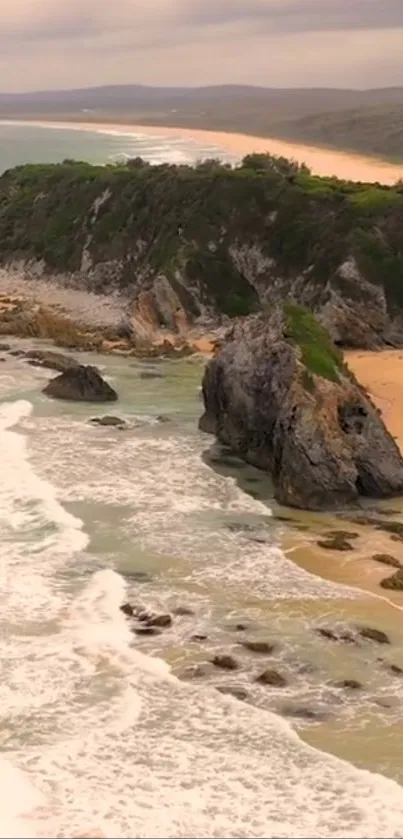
[[22, 143]]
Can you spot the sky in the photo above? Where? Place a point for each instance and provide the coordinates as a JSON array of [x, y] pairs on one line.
[[50, 44]]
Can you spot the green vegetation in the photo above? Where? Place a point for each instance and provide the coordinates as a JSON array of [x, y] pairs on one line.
[[318, 353], [211, 230]]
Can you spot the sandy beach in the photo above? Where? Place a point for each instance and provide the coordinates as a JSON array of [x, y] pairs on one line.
[[322, 161], [382, 374]]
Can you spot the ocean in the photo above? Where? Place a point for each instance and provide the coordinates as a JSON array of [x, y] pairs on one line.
[[100, 731], [24, 143]]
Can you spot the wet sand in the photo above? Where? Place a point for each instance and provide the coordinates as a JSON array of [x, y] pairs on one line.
[[346, 165]]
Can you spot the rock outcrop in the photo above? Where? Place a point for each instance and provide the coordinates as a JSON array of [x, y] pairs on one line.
[[81, 384], [280, 396]]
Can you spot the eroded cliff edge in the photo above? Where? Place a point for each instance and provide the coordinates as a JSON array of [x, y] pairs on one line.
[[179, 247], [280, 396]]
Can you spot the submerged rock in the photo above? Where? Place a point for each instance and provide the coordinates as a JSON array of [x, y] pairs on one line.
[[279, 395], [52, 360], [260, 647], [273, 678], [114, 422], [387, 559], [337, 543], [150, 374], [159, 620], [346, 535], [372, 634], [236, 691], [80, 384], [195, 671], [303, 712], [343, 635], [395, 582], [348, 684], [225, 662], [146, 630]]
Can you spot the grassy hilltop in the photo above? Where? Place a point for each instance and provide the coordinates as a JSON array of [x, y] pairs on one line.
[[227, 240]]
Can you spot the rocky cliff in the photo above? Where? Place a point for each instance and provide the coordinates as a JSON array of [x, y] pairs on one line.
[[280, 396], [175, 246]]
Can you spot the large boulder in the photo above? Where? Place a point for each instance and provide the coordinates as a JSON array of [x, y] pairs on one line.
[[81, 384], [280, 396]]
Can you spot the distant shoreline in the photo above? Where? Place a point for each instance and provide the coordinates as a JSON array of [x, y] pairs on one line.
[[323, 161]]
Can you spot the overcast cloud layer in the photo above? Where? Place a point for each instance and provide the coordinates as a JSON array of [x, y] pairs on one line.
[[340, 43]]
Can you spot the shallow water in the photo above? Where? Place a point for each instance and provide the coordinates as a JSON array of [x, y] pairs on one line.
[[98, 729], [25, 143]]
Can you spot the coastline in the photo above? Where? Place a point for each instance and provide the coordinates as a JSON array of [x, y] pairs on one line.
[[322, 161]]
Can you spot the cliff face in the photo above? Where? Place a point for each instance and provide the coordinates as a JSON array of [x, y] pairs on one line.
[[280, 396], [181, 246]]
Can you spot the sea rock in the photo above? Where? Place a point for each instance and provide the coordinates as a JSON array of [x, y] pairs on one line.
[[80, 384], [113, 422], [4, 347], [260, 647], [52, 360], [183, 612], [387, 559], [372, 634], [127, 609], [395, 582], [225, 662], [272, 678], [279, 395], [198, 637]]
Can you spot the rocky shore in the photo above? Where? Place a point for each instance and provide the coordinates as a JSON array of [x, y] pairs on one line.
[[280, 396]]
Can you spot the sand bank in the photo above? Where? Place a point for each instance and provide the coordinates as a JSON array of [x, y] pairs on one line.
[[322, 161]]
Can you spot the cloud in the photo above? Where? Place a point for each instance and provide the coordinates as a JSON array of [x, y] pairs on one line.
[[44, 19], [270, 42], [298, 15]]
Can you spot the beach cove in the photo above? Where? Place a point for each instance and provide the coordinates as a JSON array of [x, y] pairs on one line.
[[232, 147]]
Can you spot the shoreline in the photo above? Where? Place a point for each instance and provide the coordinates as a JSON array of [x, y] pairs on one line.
[[323, 161]]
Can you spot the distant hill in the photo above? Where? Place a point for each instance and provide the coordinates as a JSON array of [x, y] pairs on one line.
[[375, 130], [367, 121]]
